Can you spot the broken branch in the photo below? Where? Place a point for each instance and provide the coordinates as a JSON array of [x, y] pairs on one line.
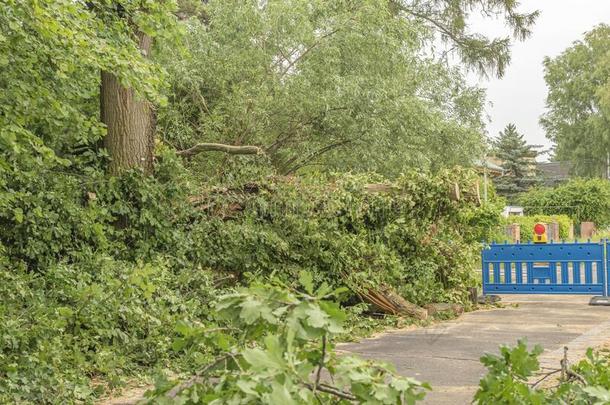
[[219, 147]]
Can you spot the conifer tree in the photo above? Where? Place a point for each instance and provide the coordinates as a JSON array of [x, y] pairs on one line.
[[518, 160]]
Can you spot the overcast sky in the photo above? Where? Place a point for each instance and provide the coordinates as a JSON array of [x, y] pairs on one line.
[[520, 95]]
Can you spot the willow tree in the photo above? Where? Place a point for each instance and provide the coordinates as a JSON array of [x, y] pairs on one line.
[[342, 85]]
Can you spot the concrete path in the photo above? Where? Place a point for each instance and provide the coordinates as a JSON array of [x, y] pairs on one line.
[[447, 354]]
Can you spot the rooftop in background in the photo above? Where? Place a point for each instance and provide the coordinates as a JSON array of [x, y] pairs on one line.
[[554, 172]]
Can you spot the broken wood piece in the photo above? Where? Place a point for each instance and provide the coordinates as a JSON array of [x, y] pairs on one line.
[[439, 307], [390, 302]]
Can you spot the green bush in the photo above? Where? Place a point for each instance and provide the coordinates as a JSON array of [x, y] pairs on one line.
[[276, 346], [48, 215], [95, 274], [98, 318], [527, 224], [580, 199]]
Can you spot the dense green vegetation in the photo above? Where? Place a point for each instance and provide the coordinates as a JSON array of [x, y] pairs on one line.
[[579, 103], [183, 182], [107, 302], [296, 330], [515, 377], [336, 85], [580, 199]]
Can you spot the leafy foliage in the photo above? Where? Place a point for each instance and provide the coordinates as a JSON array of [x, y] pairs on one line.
[[48, 216], [52, 53], [97, 270], [509, 379], [282, 352], [580, 199], [477, 52], [99, 291], [98, 319], [579, 103], [526, 225], [506, 381], [336, 85], [411, 235]]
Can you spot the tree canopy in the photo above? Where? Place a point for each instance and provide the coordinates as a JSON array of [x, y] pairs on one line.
[[341, 85], [578, 103], [580, 199]]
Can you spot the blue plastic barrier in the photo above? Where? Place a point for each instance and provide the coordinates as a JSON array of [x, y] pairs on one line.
[[553, 268]]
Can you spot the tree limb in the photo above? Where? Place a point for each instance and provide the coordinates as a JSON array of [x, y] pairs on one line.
[[218, 147], [333, 391], [320, 366], [289, 170], [307, 50], [197, 378]]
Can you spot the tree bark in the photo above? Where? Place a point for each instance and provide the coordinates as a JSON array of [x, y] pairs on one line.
[[130, 122]]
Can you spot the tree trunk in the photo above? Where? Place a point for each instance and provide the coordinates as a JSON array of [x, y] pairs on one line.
[[130, 122]]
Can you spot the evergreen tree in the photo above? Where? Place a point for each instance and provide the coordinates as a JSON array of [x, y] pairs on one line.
[[518, 160]]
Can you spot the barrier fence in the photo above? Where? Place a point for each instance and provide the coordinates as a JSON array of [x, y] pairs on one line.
[[553, 268]]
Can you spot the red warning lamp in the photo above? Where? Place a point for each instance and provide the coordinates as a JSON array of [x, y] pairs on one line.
[[540, 233]]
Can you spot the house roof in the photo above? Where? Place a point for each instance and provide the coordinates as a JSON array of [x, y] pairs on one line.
[[554, 170]]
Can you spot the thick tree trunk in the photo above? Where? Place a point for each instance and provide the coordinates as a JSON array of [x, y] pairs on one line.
[[130, 120]]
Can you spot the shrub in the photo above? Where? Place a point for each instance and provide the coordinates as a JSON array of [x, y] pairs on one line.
[[580, 199], [93, 285], [411, 233], [49, 216], [97, 318], [506, 382], [527, 223]]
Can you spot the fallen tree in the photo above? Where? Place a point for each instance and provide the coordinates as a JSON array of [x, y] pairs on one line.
[[397, 245]]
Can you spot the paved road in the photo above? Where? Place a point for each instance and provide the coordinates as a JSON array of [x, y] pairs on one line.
[[447, 354]]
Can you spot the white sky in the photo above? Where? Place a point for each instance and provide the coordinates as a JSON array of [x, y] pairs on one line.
[[520, 95]]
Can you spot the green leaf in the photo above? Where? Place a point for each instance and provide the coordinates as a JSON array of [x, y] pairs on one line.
[[306, 280], [317, 318], [18, 215], [601, 394], [281, 395]]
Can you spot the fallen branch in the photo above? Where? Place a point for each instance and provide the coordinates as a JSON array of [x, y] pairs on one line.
[[197, 378], [333, 391], [547, 375], [219, 147]]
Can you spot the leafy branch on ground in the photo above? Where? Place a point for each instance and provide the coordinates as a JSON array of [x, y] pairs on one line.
[[514, 377], [283, 352]]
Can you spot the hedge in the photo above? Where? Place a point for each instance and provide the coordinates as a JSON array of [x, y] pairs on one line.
[[527, 225]]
